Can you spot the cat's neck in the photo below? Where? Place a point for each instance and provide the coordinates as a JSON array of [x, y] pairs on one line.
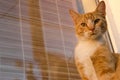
[[86, 48], [100, 40]]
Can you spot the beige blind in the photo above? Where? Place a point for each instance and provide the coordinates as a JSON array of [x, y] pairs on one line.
[[37, 40]]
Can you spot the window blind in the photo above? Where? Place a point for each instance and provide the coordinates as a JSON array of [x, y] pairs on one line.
[[37, 40]]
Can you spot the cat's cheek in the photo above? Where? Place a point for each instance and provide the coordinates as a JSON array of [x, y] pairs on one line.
[[78, 31], [86, 34], [97, 30], [103, 29], [94, 36]]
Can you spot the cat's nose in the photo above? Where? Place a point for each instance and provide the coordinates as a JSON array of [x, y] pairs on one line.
[[92, 29], [90, 24]]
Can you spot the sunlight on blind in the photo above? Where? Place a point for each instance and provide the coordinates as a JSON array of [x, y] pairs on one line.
[[37, 40]]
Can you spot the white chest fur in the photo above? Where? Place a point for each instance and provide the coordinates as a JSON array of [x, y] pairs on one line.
[[83, 51]]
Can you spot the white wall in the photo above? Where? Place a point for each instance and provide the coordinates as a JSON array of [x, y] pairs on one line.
[[115, 9], [89, 5], [113, 16]]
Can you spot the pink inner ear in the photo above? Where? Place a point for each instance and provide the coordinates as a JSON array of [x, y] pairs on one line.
[[73, 14], [101, 7]]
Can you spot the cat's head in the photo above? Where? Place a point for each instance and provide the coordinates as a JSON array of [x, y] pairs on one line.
[[90, 25]]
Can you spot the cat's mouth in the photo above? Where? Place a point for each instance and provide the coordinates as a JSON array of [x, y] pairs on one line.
[[92, 33]]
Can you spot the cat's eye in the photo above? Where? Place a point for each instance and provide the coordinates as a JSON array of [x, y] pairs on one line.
[[83, 24], [96, 21]]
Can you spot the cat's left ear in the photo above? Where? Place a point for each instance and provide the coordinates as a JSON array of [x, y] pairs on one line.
[[74, 14], [101, 8]]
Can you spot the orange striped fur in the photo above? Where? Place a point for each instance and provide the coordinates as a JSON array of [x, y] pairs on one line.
[[93, 59]]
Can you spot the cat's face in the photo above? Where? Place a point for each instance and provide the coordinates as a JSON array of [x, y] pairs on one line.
[[90, 25]]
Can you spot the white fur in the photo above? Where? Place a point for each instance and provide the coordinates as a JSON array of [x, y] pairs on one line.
[[89, 69], [83, 51]]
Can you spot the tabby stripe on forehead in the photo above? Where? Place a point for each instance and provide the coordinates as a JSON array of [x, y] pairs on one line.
[[89, 16]]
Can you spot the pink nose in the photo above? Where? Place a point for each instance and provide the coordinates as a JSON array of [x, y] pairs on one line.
[[92, 29]]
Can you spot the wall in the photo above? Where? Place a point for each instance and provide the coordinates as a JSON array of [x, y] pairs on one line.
[[112, 9]]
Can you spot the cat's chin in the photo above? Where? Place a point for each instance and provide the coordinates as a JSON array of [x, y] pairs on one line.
[[91, 37]]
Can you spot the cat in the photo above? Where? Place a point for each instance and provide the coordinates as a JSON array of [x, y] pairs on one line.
[[93, 58]]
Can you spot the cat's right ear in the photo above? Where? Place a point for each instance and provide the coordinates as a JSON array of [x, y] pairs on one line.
[[73, 14]]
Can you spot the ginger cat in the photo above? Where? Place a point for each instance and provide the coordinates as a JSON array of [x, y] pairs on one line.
[[93, 59]]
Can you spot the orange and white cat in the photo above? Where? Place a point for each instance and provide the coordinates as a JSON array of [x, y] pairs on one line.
[[93, 59]]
